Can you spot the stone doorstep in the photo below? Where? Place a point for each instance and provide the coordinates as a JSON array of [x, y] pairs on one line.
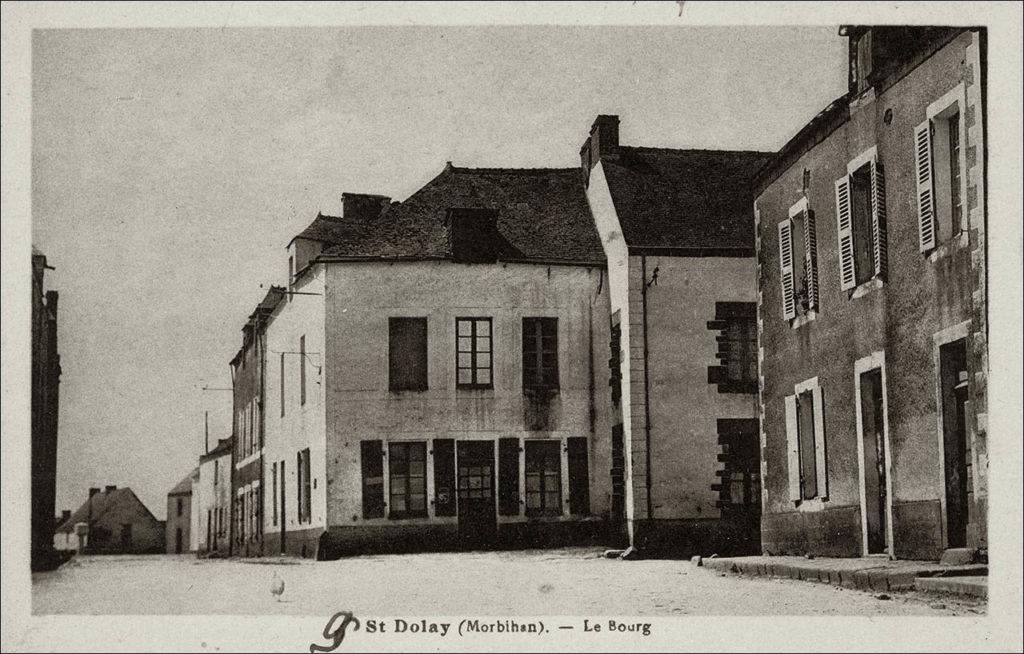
[[861, 574], [972, 586]]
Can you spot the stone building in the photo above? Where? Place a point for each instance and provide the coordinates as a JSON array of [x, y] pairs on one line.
[[45, 396], [436, 376], [215, 505], [676, 227], [871, 227], [179, 516], [112, 521], [248, 382]]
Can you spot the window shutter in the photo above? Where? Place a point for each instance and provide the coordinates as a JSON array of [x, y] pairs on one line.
[[925, 186], [847, 274], [444, 477], [878, 226], [811, 258], [579, 477], [793, 447], [508, 476], [820, 460], [786, 264]]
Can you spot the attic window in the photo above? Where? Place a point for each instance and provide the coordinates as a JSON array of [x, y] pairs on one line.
[[474, 235]]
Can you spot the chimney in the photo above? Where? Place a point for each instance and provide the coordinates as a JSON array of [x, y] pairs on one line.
[[363, 206], [604, 138], [93, 491], [110, 489]]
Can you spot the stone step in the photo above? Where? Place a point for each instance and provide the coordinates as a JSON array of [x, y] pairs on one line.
[[971, 586]]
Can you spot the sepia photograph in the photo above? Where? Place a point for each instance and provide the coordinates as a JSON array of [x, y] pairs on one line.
[[635, 326]]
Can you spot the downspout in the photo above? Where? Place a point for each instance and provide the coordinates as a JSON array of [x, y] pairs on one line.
[[647, 387], [261, 351]]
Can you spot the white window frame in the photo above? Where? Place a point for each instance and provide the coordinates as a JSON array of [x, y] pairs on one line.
[[802, 206], [944, 337], [874, 361], [816, 503], [876, 281], [955, 97]]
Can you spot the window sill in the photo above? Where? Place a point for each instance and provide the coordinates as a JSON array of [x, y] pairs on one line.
[[811, 505], [801, 320], [869, 286], [958, 242]]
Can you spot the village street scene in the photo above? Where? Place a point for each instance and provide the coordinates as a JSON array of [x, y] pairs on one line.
[[633, 322]]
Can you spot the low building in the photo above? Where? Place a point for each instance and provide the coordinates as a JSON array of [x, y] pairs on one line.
[[215, 500], [872, 286], [677, 231], [179, 516], [436, 376], [112, 521], [45, 396]]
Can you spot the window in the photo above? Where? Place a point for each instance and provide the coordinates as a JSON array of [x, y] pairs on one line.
[[473, 349], [407, 354], [180, 507], [861, 218], [407, 466], [303, 485], [540, 353], [302, 369], [579, 476], [798, 260], [273, 496], [508, 476], [372, 461], [543, 478], [291, 274], [282, 384], [940, 184], [736, 323], [216, 472], [805, 435], [739, 492], [444, 477]]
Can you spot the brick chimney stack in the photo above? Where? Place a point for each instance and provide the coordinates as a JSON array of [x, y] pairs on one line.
[[110, 489], [93, 491], [602, 142]]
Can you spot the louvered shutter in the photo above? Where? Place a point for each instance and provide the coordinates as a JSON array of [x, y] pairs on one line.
[[925, 186], [786, 266], [820, 460], [878, 226], [792, 449], [811, 258], [847, 273]]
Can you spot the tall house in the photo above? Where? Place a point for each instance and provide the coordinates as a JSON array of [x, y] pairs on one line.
[[45, 395], [215, 504], [677, 230], [249, 383], [178, 526], [871, 230], [436, 377]]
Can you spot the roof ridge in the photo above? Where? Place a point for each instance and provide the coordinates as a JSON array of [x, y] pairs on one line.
[[461, 169], [696, 150]]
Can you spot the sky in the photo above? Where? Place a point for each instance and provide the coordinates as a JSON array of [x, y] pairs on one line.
[[171, 167]]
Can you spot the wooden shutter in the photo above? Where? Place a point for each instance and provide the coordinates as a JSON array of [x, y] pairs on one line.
[[847, 272], [508, 476], [793, 448], [786, 266], [579, 476], [821, 462], [444, 477], [811, 258], [925, 186], [372, 457], [878, 222]]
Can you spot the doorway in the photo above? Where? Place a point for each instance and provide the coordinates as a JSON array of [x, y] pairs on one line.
[[874, 466], [177, 540], [478, 525], [956, 448]]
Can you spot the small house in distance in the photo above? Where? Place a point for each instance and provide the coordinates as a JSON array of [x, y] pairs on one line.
[[113, 521], [179, 516]]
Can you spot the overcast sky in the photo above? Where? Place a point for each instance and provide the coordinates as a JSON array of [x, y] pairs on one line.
[[172, 167]]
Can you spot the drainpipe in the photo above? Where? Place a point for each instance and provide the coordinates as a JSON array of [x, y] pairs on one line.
[[647, 387]]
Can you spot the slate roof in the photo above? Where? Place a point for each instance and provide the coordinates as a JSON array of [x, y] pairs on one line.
[[543, 215], [684, 198], [183, 487], [223, 446], [101, 502]]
